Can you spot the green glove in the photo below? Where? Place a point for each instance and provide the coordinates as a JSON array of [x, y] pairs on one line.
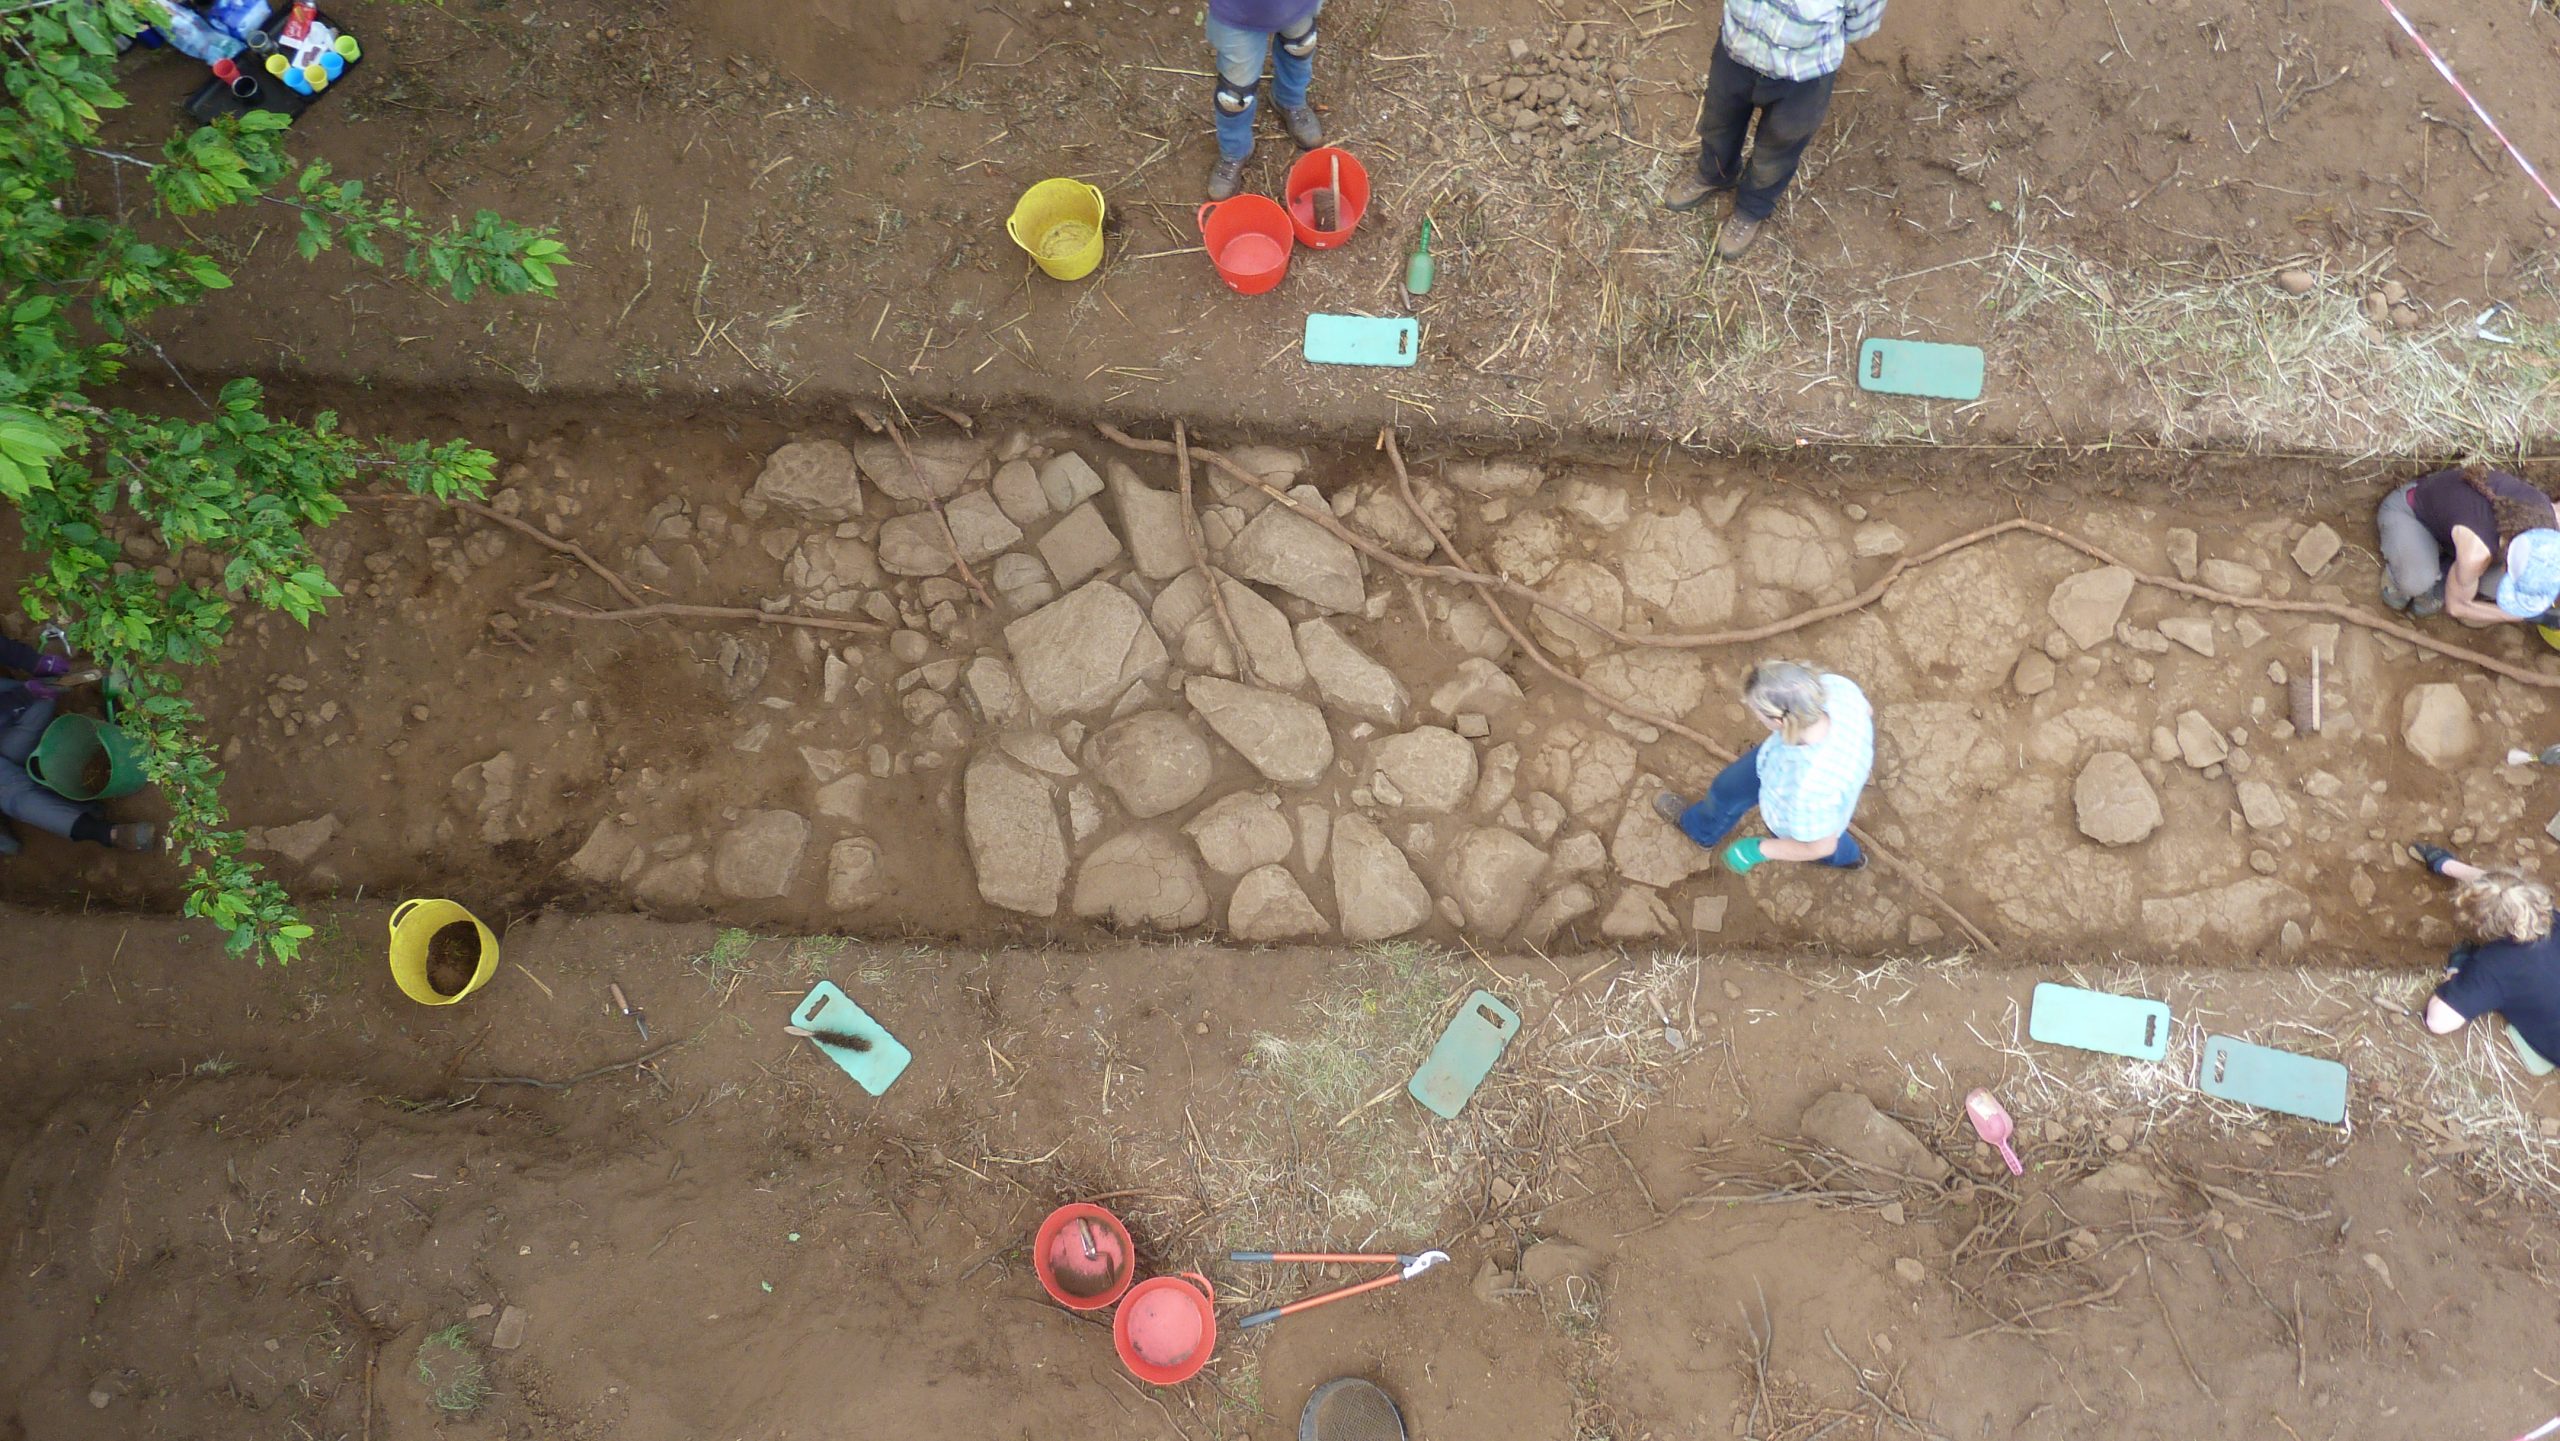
[[1742, 855]]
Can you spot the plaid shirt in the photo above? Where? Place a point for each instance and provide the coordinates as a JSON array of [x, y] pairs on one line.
[[1809, 792], [1797, 39]]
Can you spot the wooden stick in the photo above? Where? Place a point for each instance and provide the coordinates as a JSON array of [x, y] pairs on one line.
[[1200, 555], [949, 536], [565, 1083], [1538, 657]]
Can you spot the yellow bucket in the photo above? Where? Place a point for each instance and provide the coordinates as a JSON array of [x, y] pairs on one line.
[[411, 927], [1059, 224]]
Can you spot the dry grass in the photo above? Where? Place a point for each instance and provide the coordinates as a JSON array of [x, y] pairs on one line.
[[2465, 1098], [2222, 356]]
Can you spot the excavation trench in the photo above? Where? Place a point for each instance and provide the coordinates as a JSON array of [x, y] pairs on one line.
[[675, 666]]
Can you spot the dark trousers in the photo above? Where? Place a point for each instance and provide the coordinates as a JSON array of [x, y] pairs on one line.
[[1789, 111], [1735, 793]]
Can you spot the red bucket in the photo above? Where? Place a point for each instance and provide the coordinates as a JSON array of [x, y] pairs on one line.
[[1314, 172], [1083, 1257], [1249, 241], [1166, 1329]]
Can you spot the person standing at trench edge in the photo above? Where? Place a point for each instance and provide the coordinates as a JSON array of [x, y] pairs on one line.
[[1775, 59], [1243, 33], [1805, 779]]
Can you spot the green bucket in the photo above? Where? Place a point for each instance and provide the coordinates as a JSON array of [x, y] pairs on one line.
[[66, 757]]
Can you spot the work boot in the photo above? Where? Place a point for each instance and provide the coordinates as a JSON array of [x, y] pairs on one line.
[[1688, 192], [1303, 126], [1734, 241], [1669, 807], [1227, 178], [134, 836], [2432, 857]]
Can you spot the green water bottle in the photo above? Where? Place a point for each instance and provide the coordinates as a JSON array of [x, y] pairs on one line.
[[1418, 270]]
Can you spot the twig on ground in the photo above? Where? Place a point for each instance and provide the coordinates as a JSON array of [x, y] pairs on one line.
[[2168, 1322], [1200, 555], [565, 1083], [2019, 1321], [950, 537]]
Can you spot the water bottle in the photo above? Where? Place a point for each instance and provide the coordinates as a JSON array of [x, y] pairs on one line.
[[241, 16]]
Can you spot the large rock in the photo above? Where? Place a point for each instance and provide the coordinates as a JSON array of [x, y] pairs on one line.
[[853, 874], [1078, 547], [1270, 905], [1586, 589], [1638, 914], [1651, 851], [2319, 545], [812, 478], [947, 464], [1284, 737], [2436, 724], [1015, 842], [2245, 913], [605, 856], [1241, 832], [1562, 907], [915, 545], [1347, 678], [1142, 878], [1492, 874], [675, 884], [1378, 511], [2088, 605], [2261, 806], [1189, 625], [2116, 805], [1373, 884], [1067, 480], [2199, 743], [1151, 521], [1678, 564], [1850, 1124], [1284, 549], [1790, 551], [827, 563], [1154, 761], [1504, 476], [760, 859], [1084, 650], [302, 840], [1426, 769]]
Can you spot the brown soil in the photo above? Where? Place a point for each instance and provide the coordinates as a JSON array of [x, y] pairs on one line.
[[474, 745], [453, 957], [227, 1225], [96, 773], [738, 233]]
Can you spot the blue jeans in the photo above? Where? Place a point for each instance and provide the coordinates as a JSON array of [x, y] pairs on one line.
[[1240, 56], [1735, 793]]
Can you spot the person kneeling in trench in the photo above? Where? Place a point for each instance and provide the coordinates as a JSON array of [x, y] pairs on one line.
[[2477, 544], [2510, 964], [1805, 779], [26, 707]]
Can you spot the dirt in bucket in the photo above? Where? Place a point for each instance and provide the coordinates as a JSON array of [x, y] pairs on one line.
[[1067, 237], [96, 772], [453, 957]]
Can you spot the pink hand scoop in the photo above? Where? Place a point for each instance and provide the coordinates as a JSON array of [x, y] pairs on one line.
[[1991, 1122]]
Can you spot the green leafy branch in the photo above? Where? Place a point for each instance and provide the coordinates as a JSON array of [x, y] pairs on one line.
[[231, 498]]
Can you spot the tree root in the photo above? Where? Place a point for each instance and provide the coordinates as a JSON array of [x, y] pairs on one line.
[[672, 610], [1200, 555], [1539, 658], [1702, 640]]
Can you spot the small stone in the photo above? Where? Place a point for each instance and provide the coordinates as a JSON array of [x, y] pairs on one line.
[[2034, 674], [2296, 282], [1019, 494], [1068, 481], [1909, 1271], [2199, 743], [1078, 547], [761, 857], [510, 1332], [814, 478], [2231, 577], [2436, 724], [2260, 806], [2319, 545], [1706, 913], [2192, 631], [1875, 539], [2088, 605], [2114, 801]]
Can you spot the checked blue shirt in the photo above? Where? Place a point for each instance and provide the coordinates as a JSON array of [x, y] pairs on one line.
[[1809, 792], [1797, 39]]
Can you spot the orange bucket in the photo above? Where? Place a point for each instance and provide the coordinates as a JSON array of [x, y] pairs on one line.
[[1166, 1328], [1314, 172], [1083, 1257], [1249, 239]]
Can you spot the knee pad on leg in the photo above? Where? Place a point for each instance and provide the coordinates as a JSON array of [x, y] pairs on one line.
[[1302, 47], [1234, 99]]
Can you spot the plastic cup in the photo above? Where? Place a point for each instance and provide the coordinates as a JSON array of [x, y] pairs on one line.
[[225, 70], [316, 78], [348, 48], [277, 65], [244, 87], [333, 64]]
